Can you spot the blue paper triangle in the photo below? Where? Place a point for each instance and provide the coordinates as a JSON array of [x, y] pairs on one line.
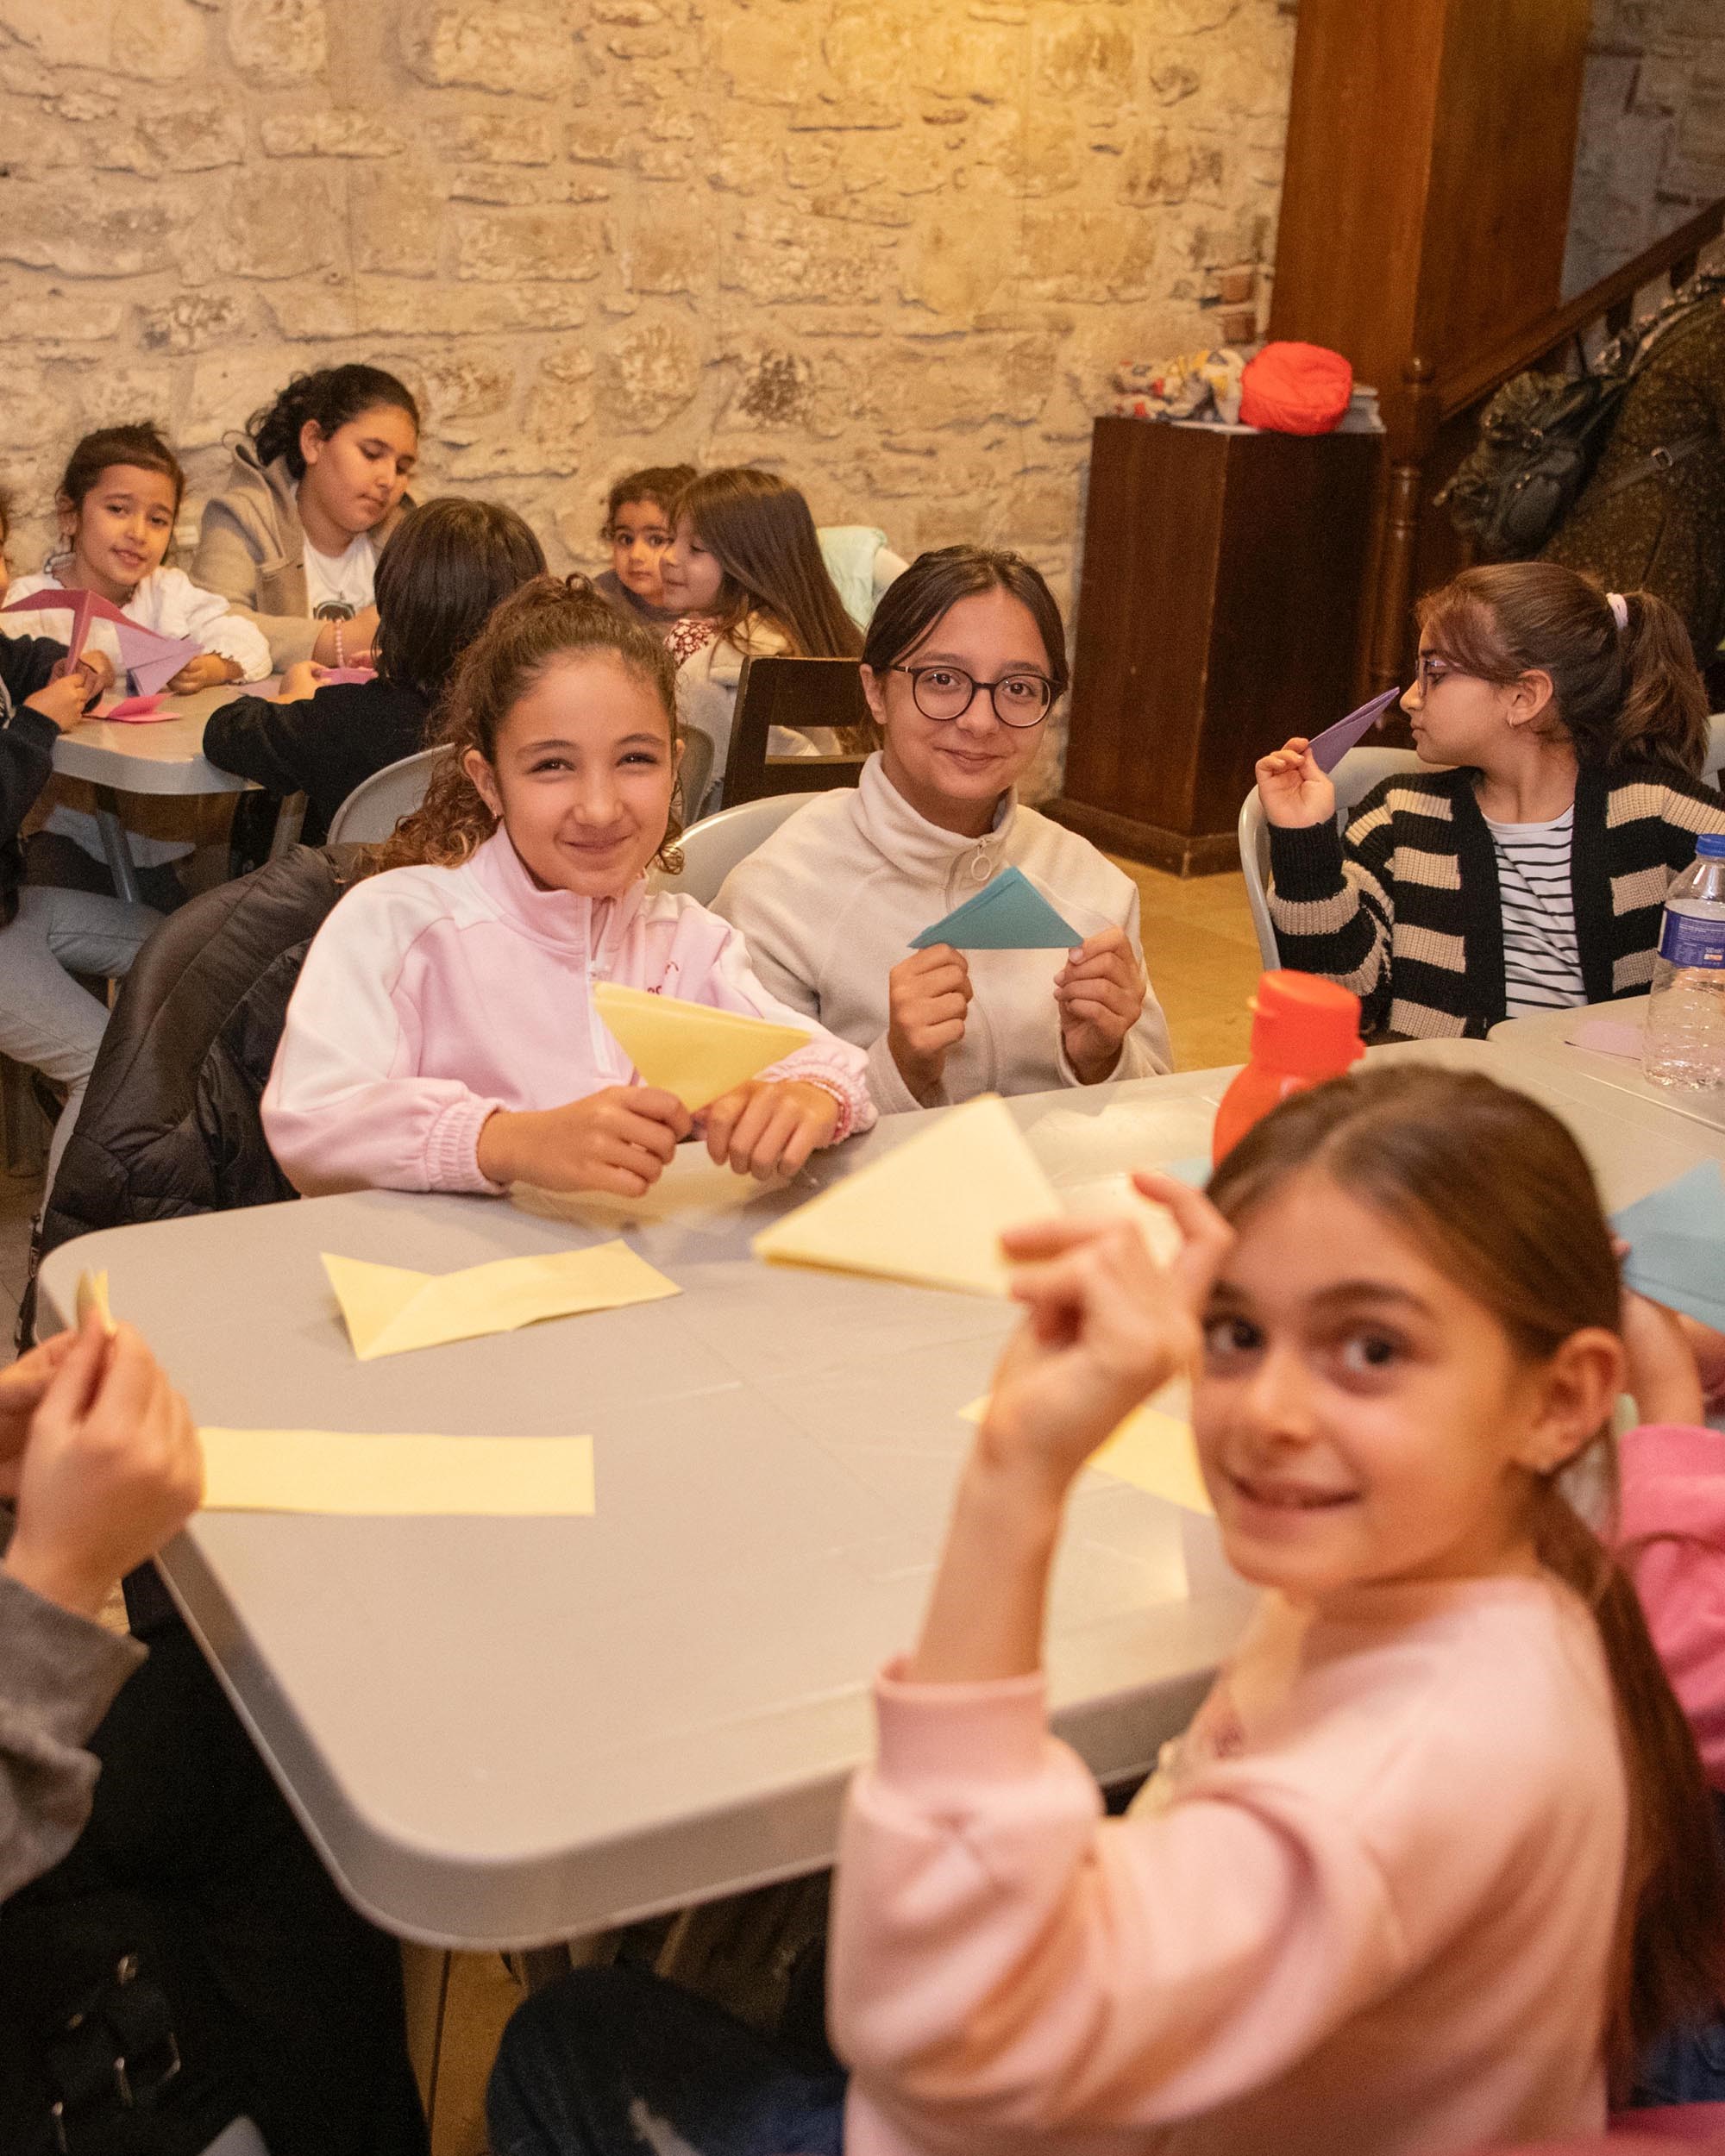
[[1009, 914], [1677, 1245]]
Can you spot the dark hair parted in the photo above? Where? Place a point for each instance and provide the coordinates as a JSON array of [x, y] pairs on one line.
[[140, 445], [912, 603], [660, 484], [759, 529], [551, 618], [331, 397], [447, 566], [1623, 696], [1496, 1194]]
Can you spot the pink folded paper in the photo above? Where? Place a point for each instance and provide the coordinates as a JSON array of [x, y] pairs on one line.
[[1609, 1037], [1333, 744], [138, 710], [151, 660], [326, 675]]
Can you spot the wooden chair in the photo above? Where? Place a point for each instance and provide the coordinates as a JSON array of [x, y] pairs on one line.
[[800, 694]]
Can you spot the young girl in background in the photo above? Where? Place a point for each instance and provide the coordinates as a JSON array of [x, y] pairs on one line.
[[316, 492], [1532, 874], [447, 568], [1433, 1859], [637, 529], [442, 1036], [965, 660], [745, 567]]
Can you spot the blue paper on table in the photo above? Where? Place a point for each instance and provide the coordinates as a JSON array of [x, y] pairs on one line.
[[1677, 1245], [1333, 744], [1010, 914]]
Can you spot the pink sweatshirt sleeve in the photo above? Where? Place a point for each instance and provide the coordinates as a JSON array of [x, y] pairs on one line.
[[1671, 1537], [1006, 1962], [345, 1108]]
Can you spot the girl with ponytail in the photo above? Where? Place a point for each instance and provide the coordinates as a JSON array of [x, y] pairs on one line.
[[1528, 871]]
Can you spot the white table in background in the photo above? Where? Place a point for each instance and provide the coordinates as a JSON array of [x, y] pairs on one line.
[[509, 1731], [1547, 1036]]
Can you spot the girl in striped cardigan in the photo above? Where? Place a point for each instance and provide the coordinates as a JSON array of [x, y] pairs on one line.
[[1566, 727]]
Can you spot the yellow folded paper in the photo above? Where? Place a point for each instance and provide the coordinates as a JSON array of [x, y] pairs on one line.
[[389, 1309], [341, 1472], [1151, 1449], [92, 1295], [686, 1049], [931, 1212]]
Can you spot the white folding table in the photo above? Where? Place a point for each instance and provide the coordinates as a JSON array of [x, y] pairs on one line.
[[1547, 1036]]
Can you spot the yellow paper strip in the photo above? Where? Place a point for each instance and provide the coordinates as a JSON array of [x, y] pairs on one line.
[[389, 1476], [688, 1049], [92, 1295], [1152, 1451]]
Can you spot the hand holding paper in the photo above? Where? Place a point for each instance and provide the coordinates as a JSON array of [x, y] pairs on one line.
[[1153, 1450], [151, 660], [1332, 744], [688, 1049], [1677, 1245], [390, 1310], [1009, 914]]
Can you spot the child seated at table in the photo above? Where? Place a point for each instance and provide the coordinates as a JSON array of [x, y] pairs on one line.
[[964, 663], [637, 529], [442, 1035], [1529, 872], [446, 567], [745, 567], [1380, 1896]]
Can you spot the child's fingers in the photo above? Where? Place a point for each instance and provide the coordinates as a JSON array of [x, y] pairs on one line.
[[1037, 1239], [1205, 1237], [664, 1107]]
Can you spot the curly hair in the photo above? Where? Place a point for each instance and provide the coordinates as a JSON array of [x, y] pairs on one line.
[[332, 398], [550, 618]]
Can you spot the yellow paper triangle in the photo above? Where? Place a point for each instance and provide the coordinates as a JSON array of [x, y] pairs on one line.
[[1151, 1449], [379, 1478], [390, 1310], [931, 1212], [687, 1048]]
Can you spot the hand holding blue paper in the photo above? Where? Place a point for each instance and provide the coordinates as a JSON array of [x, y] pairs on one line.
[[1009, 914], [1677, 1245], [1329, 748]]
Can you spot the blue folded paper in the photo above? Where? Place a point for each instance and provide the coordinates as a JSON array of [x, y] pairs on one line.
[[1009, 914], [1677, 1245]]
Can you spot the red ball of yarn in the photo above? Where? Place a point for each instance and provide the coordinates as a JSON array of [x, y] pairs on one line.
[[1295, 388]]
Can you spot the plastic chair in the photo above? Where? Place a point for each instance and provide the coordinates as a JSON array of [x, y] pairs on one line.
[[712, 848], [800, 694], [1353, 778], [377, 804]]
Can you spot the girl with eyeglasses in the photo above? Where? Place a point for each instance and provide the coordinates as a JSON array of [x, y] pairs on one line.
[[1567, 727], [964, 662]]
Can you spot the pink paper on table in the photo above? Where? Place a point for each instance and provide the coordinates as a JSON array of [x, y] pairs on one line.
[[1609, 1037], [151, 660], [328, 674], [137, 710], [1333, 744]]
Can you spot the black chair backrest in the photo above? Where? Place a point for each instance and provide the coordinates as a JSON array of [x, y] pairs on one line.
[[800, 694]]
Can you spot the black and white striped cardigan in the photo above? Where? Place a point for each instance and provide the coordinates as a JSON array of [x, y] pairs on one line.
[[1406, 910]]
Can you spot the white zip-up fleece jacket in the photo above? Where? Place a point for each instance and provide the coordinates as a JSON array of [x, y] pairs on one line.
[[829, 904]]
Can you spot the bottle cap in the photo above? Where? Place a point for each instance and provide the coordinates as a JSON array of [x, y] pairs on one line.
[[1711, 845], [1304, 1026]]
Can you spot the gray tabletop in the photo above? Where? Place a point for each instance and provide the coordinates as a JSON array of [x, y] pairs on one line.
[[504, 1732], [1547, 1036], [164, 756]]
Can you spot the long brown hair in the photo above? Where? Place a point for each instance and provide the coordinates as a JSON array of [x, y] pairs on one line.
[[1496, 1194], [760, 531], [1623, 696], [549, 619]]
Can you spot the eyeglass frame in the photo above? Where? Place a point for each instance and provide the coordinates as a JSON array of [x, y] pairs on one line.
[[948, 719], [1427, 680]]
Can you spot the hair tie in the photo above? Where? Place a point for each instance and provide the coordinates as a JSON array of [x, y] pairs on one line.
[[1620, 610]]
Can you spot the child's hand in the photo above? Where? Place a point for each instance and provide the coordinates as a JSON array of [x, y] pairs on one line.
[[109, 1469], [770, 1126], [22, 1387], [619, 1140], [1100, 993], [1295, 794], [1662, 1378], [301, 680], [97, 668], [927, 997], [207, 671], [1107, 1327], [63, 700]]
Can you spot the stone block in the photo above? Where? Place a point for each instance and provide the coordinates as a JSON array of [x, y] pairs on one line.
[[228, 387], [647, 376], [560, 408], [920, 384], [500, 134], [1166, 165], [176, 139], [518, 186], [1088, 256], [268, 230], [194, 321], [59, 314], [397, 215], [354, 131], [142, 40], [464, 389], [779, 255], [89, 227], [876, 56], [1087, 53], [528, 246], [527, 52], [279, 41], [342, 309]]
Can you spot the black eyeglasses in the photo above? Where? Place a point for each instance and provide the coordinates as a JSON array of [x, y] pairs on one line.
[[1020, 699], [1434, 667]]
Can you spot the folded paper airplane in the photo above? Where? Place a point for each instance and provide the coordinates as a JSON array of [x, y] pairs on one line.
[[1332, 744], [1677, 1245]]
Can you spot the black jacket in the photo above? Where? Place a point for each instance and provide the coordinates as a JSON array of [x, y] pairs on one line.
[[27, 745], [320, 747]]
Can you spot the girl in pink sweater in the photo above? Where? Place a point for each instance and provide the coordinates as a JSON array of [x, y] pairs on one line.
[[442, 1035]]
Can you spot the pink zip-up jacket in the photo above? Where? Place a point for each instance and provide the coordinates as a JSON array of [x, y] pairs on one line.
[[431, 997], [1365, 1907], [1671, 1534]]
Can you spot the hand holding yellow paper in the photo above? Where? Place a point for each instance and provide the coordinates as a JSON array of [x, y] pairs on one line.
[[931, 1212], [92, 1295], [1152, 1450], [397, 1476], [389, 1309], [689, 1050]]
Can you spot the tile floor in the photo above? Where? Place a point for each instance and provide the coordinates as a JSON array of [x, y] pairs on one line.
[[1203, 960]]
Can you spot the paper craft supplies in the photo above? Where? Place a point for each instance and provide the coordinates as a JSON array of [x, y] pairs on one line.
[[390, 1310], [1332, 744], [689, 1050], [137, 710], [1152, 1450], [151, 660], [1677, 1245], [1609, 1037], [381, 1477], [931, 1211], [92, 1295], [1009, 914]]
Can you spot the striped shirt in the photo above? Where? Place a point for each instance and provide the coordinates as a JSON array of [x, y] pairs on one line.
[[1541, 963]]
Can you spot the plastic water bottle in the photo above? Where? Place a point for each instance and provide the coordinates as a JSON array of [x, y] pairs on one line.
[[1685, 1036]]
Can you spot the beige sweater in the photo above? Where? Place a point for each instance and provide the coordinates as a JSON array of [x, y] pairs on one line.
[[828, 906]]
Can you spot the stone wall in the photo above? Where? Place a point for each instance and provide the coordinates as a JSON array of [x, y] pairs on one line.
[[894, 251], [1652, 147]]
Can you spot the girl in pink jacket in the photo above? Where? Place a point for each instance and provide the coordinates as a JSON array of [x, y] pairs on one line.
[[442, 1034]]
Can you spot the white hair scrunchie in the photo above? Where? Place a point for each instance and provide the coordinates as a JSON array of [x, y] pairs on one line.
[[1620, 610]]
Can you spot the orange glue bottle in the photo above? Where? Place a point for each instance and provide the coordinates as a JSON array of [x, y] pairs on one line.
[[1304, 1031]]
